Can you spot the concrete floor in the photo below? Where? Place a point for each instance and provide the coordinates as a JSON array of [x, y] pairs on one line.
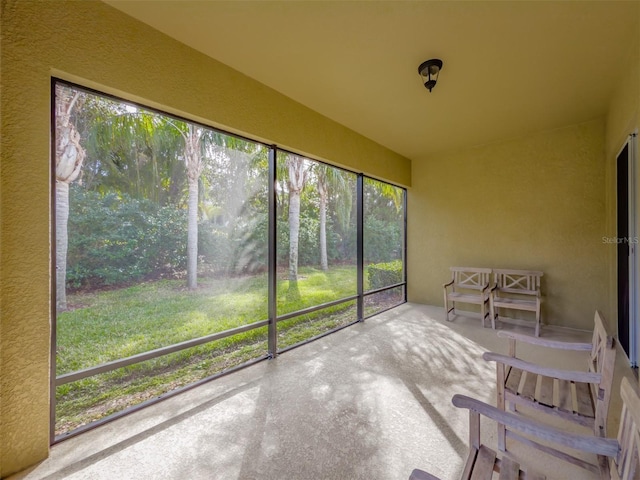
[[372, 401]]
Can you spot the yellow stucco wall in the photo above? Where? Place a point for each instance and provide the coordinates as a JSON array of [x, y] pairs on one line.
[[622, 120], [536, 203], [96, 45]]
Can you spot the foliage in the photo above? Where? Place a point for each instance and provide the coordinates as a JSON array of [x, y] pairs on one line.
[[307, 241], [131, 150], [237, 248], [308, 253], [214, 246], [118, 323], [112, 324], [135, 155], [114, 239], [382, 240], [382, 194], [384, 274], [128, 224]]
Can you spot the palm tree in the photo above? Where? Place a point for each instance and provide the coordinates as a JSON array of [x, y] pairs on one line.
[[195, 139], [193, 162], [142, 150], [388, 191], [329, 179], [132, 151], [146, 136], [383, 211], [298, 173], [69, 158]]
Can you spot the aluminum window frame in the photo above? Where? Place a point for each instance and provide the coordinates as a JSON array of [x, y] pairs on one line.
[[273, 318]]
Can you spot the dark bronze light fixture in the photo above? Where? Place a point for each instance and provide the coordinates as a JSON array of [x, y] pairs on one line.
[[429, 72]]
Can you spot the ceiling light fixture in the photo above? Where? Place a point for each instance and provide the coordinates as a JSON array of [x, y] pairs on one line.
[[429, 72]]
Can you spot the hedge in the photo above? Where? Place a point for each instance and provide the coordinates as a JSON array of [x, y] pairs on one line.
[[384, 274]]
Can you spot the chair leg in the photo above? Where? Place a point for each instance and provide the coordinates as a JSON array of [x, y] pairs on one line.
[[446, 306], [482, 312], [492, 310], [512, 353], [538, 322], [493, 319], [500, 403]]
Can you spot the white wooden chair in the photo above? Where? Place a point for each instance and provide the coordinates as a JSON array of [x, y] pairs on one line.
[[468, 285], [581, 397], [516, 290], [621, 453]]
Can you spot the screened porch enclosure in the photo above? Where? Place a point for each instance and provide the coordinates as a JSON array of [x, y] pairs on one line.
[[184, 253], [369, 402]]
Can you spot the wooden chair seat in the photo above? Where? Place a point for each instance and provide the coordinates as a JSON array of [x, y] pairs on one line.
[[515, 303], [620, 455], [580, 396], [516, 290], [475, 298], [570, 399], [468, 285]]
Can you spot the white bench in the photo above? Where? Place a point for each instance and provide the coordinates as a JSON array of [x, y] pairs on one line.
[[468, 285], [516, 290]]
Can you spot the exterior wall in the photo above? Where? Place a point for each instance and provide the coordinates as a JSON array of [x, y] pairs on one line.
[[95, 45], [536, 203]]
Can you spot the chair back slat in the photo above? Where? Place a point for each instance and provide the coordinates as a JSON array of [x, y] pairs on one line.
[[626, 463], [601, 360], [518, 281], [473, 278]]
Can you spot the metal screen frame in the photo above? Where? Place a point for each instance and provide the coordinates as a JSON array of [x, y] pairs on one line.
[[273, 318]]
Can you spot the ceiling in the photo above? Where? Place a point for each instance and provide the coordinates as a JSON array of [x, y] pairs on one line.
[[510, 68]]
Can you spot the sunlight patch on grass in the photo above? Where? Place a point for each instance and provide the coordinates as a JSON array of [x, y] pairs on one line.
[[112, 324], [317, 287]]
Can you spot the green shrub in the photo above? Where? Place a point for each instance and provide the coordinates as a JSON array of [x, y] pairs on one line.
[[238, 248], [250, 244], [308, 240], [382, 239], [115, 239], [214, 246], [384, 274]]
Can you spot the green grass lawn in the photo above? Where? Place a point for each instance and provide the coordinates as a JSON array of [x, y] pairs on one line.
[[107, 325]]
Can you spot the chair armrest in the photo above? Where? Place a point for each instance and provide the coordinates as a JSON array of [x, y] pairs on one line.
[[418, 474], [584, 443], [495, 287], [486, 287], [571, 375], [545, 342], [445, 285]]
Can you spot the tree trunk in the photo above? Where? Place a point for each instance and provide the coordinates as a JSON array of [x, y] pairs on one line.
[[296, 182], [193, 161], [294, 234], [69, 158], [322, 192], [192, 237], [62, 242]]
